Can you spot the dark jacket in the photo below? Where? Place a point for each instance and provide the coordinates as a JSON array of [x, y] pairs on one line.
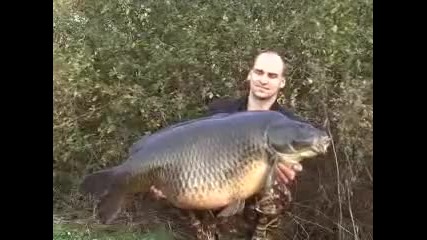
[[240, 105]]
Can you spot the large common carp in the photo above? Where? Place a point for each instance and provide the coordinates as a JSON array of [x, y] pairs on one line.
[[208, 163]]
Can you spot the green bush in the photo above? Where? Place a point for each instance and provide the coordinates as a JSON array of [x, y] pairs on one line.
[[126, 68]]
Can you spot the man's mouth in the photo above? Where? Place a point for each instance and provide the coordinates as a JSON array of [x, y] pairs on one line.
[[262, 88]]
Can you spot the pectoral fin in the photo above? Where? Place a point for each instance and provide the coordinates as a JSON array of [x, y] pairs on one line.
[[232, 209], [271, 178]]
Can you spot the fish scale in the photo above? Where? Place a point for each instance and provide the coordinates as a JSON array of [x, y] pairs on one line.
[[207, 163]]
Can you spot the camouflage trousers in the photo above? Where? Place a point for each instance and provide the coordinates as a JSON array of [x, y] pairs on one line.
[[263, 211], [269, 207]]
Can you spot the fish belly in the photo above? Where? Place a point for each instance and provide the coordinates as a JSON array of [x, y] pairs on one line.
[[215, 191]]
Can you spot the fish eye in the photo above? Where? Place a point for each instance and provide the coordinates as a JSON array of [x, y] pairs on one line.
[[300, 144]]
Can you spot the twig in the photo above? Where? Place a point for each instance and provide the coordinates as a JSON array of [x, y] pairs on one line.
[[302, 226], [325, 216], [311, 222], [81, 116], [336, 164], [369, 174], [350, 211]]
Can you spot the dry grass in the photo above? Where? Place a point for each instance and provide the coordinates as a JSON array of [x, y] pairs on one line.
[[318, 212]]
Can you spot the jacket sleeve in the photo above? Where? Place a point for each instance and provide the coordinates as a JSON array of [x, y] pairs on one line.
[[219, 106], [292, 115]]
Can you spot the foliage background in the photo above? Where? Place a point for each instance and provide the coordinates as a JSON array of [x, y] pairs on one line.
[[125, 68]]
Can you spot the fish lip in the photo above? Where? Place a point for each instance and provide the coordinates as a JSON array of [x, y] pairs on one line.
[[321, 147], [319, 150]]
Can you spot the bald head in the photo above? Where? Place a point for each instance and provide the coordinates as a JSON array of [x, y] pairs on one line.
[[270, 61]]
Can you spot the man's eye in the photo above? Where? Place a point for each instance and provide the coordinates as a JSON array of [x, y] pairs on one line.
[[272, 75], [259, 72]]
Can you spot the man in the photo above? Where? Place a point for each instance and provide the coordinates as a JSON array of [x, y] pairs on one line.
[[266, 79]]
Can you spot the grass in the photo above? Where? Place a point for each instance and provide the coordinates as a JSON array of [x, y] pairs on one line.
[[73, 232], [73, 220]]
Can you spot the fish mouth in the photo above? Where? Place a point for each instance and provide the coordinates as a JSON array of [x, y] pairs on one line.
[[322, 144]]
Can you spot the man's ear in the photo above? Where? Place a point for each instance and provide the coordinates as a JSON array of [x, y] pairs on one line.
[[248, 78], [282, 82]]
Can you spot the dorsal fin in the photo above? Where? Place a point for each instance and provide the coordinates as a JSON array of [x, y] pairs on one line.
[[140, 143]]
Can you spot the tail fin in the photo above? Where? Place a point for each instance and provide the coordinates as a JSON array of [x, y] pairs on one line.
[[110, 205], [108, 185]]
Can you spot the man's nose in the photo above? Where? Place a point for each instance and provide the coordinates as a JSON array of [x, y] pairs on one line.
[[264, 79]]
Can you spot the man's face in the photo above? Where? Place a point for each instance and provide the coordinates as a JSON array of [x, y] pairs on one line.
[[266, 76]]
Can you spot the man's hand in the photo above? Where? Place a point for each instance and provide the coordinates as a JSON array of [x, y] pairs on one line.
[[287, 174], [157, 193]]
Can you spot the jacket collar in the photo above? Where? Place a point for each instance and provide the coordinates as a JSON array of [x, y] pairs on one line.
[[243, 104]]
